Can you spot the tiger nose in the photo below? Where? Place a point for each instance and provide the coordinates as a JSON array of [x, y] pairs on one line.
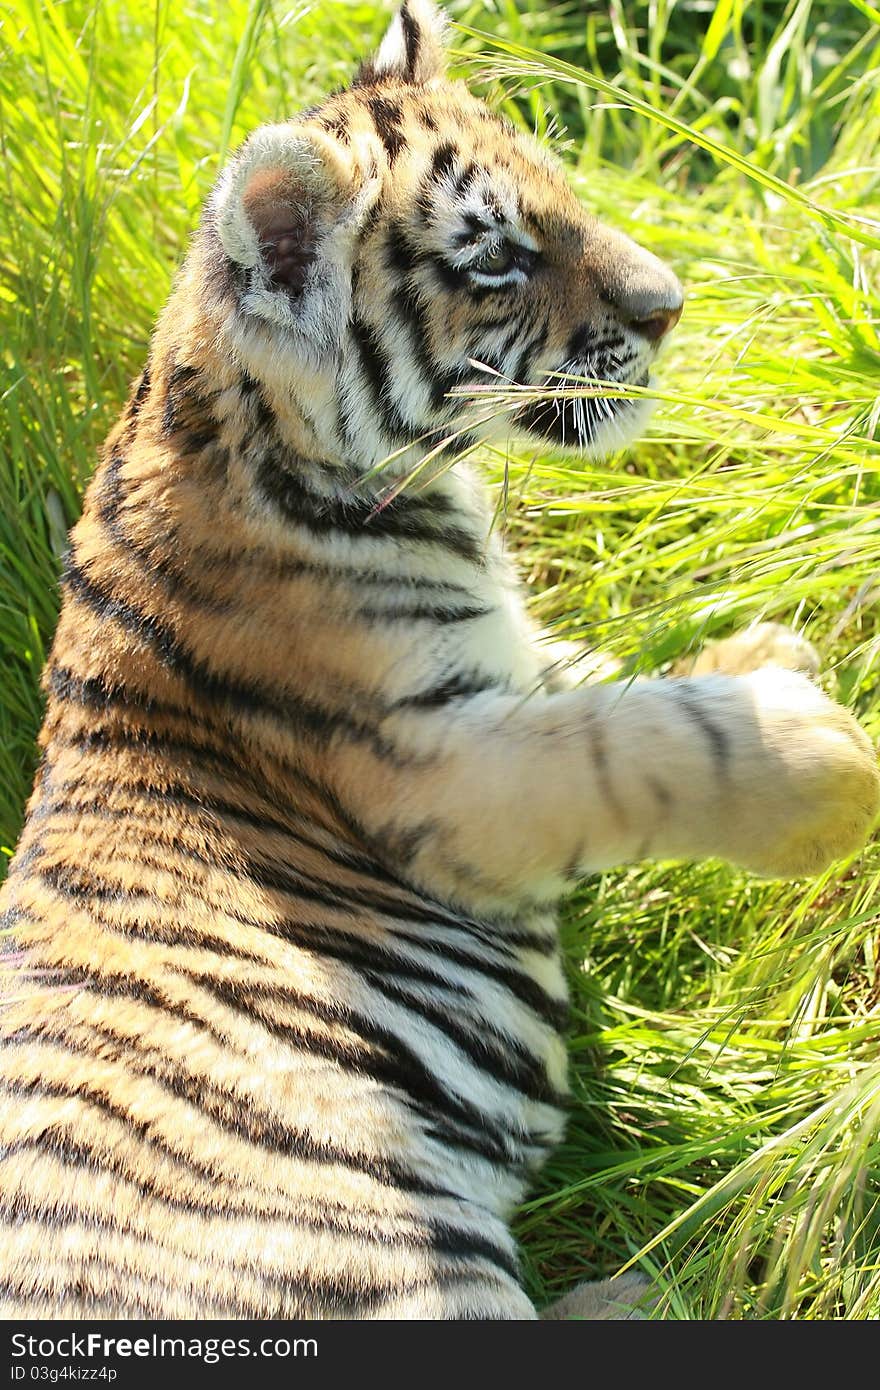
[[650, 306], [649, 300], [636, 283]]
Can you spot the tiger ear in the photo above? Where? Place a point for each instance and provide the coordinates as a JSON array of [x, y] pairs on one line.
[[413, 49], [287, 211]]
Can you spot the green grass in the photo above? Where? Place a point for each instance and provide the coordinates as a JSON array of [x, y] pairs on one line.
[[726, 1042]]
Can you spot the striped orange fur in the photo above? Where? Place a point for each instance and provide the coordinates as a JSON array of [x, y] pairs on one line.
[[286, 1040]]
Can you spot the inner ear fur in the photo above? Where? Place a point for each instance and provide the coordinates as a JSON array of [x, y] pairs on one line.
[[287, 212], [286, 189], [284, 228]]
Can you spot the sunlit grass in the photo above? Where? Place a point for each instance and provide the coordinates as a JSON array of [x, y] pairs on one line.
[[726, 1032]]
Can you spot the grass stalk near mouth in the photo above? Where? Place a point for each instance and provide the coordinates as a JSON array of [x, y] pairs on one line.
[[725, 1134]]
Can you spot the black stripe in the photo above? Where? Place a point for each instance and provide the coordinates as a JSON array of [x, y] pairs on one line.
[[499, 1055], [387, 116], [601, 763], [441, 1119], [94, 693], [204, 758], [91, 1096], [362, 577], [210, 758], [140, 394], [458, 686], [491, 324], [224, 689], [32, 1291], [53, 1141], [386, 1058], [358, 518], [89, 887], [78, 882], [336, 123], [261, 413], [515, 334], [403, 259], [467, 177], [327, 940], [415, 904], [507, 1063], [496, 931], [451, 1123], [74, 881], [368, 225], [195, 758], [176, 934], [531, 351], [423, 612], [409, 907], [443, 161], [203, 803], [280, 1139], [178, 582], [380, 372], [341, 943], [183, 374], [138, 1296], [411, 41], [455, 1242], [450, 277], [242, 1116], [113, 985], [315, 509], [186, 413], [411, 310], [426, 500], [9, 918], [717, 737], [361, 1224]]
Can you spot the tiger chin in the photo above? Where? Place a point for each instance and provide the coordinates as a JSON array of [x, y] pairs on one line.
[[285, 1038]]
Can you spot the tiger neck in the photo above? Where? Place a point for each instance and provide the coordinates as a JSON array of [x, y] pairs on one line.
[[252, 380], [213, 559]]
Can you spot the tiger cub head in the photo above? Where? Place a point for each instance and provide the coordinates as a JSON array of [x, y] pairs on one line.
[[376, 260]]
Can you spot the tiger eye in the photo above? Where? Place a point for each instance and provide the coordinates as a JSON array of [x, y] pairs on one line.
[[497, 261]]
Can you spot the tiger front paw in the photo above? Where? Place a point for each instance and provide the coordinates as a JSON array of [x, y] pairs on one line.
[[625, 1297], [763, 644], [817, 792]]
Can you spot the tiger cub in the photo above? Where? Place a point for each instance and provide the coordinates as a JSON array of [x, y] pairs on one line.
[[286, 1037]]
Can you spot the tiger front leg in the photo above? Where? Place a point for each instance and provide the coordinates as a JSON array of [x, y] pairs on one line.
[[506, 799]]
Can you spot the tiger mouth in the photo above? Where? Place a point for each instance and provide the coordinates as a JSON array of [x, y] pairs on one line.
[[593, 423]]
